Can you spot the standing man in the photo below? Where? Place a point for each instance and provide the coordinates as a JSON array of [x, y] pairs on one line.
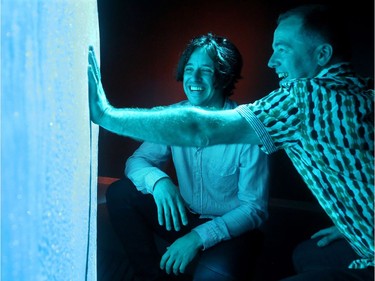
[[210, 219], [322, 116]]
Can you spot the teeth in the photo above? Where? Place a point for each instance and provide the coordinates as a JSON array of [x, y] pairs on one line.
[[283, 75], [194, 88]]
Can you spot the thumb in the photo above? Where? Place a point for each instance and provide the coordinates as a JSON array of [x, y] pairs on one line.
[[324, 241]]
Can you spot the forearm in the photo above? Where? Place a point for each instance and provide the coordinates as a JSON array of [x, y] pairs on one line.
[[146, 178], [183, 126], [188, 126], [231, 224], [157, 125], [146, 165], [244, 218]]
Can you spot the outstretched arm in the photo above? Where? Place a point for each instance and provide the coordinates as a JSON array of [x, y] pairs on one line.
[[187, 126]]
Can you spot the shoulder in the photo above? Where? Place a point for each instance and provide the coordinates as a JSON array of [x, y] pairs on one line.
[[230, 104], [180, 104]]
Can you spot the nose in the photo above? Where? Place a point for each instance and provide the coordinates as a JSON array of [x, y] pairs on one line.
[[272, 62], [197, 74]]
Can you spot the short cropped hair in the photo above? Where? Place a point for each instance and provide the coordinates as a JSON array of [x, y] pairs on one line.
[[327, 23], [225, 55]]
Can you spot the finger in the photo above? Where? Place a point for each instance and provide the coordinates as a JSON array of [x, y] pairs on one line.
[[182, 211], [168, 265], [94, 71], [93, 62], [92, 59], [175, 218], [163, 260], [160, 213], [167, 218], [328, 239], [320, 233], [91, 74], [176, 268], [323, 242], [183, 266]]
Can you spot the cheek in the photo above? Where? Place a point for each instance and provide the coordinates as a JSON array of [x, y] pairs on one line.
[[184, 85], [305, 68], [298, 63], [212, 81]]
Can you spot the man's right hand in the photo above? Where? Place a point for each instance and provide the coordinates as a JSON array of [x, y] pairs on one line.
[[98, 102], [170, 205]]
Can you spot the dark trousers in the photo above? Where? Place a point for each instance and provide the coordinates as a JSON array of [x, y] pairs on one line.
[[134, 218], [329, 263]]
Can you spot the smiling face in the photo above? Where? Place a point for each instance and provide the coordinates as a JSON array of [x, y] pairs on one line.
[[295, 55], [199, 81]]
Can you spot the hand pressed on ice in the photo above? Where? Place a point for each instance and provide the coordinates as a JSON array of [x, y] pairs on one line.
[[98, 102], [328, 235], [170, 205]]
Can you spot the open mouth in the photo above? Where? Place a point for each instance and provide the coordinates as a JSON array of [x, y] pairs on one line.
[[282, 75], [196, 88]]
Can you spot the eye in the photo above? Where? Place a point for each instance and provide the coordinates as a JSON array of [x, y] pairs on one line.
[[207, 70], [279, 47], [188, 69], [282, 49]]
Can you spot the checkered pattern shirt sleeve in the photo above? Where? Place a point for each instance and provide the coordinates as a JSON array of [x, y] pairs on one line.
[[326, 127]]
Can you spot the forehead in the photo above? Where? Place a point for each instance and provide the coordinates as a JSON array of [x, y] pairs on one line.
[[200, 57], [288, 29]]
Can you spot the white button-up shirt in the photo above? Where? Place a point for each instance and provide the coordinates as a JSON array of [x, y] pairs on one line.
[[227, 183]]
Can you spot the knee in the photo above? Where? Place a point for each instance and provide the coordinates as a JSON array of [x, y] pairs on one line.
[[209, 273], [232, 260], [236, 266], [302, 255], [111, 191], [117, 191], [298, 256]]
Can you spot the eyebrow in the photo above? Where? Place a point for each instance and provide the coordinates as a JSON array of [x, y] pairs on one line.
[[206, 65], [281, 43]]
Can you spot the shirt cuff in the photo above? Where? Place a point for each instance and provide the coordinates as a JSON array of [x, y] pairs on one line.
[[361, 263], [212, 232], [259, 128], [153, 177]]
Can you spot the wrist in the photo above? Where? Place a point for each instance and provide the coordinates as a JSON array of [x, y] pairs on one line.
[[162, 182], [197, 240]]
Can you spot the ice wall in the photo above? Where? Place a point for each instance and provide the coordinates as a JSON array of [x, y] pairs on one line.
[[48, 144]]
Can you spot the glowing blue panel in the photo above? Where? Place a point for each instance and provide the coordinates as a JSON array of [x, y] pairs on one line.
[[48, 145]]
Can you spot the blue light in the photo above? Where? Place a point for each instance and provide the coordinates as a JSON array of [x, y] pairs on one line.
[[48, 145]]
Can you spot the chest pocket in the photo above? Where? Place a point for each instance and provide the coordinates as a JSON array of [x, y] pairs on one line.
[[221, 175]]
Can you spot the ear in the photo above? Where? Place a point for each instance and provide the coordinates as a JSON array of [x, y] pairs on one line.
[[324, 53]]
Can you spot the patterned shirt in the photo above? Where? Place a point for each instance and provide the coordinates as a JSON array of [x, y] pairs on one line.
[[326, 127], [226, 183]]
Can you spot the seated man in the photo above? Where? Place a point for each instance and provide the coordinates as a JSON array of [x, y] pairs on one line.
[[211, 218]]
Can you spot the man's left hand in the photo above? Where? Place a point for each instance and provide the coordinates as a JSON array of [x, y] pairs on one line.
[[327, 235], [181, 253]]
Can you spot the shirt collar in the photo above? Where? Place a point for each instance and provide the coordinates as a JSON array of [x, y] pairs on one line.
[[338, 69]]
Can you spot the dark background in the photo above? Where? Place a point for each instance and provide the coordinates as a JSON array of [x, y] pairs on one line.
[[141, 41]]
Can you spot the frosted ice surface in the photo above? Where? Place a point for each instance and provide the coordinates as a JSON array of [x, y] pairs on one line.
[[48, 144]]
